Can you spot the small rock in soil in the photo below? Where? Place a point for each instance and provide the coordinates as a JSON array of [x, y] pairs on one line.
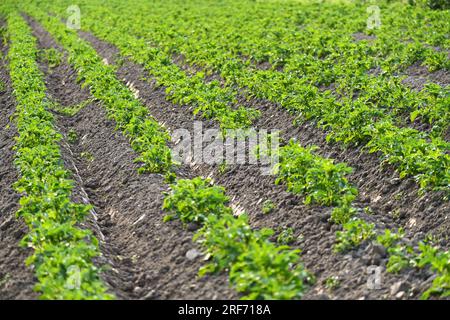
[[192, 254], [6, 224], [149, 295], [399, 287], [376, 199], [179, 260], [385, 190]]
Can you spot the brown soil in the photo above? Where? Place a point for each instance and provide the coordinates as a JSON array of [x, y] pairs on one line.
[[418, 76]]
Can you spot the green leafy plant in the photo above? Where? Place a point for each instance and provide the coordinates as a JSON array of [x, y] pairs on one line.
[[438, 261], [426, 255], [332, 283], [72, 136], [389, 238], [400, 257], [170, 177], [265, 271], [268, 206], [343, 213], [223, 167], [285, 236], [52, 57], [87, 156], [70, 111], [354, 233], [196, 199], [225, 239], [319, 179], [433, 4]]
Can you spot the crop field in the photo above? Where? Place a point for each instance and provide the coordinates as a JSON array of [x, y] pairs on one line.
[[203, 150]]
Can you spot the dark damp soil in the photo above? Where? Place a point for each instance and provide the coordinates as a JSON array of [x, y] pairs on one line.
[[16, 280], [146, 257], [393, 202]]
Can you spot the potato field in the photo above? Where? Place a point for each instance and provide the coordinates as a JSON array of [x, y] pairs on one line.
[[224, 150]]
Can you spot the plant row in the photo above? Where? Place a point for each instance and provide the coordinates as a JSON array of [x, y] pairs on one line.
[[257, 267], [209, 99], [321, 181], [147, 137], [62, 251]]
